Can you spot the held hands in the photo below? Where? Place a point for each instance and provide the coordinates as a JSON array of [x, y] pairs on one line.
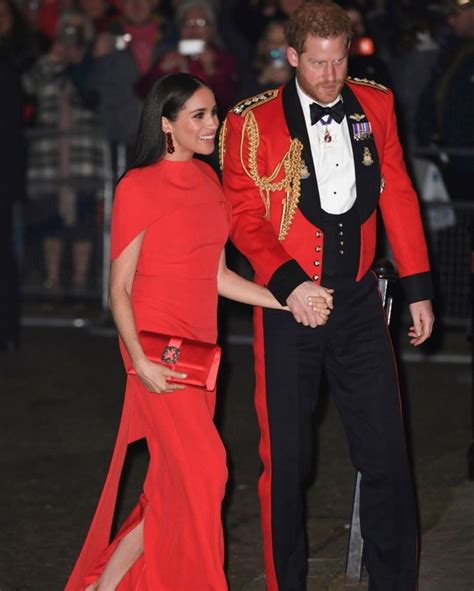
[[311, 304], [423, 319], [154, 376]]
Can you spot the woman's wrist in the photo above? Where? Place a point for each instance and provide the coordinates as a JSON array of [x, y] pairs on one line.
[[139, 361]]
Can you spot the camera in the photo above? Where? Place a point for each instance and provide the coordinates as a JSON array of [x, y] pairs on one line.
[[191, 46]]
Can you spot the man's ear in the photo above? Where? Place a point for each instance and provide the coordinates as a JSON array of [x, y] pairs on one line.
[[292, 56]]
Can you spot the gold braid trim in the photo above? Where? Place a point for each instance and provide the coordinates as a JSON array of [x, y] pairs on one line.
[[290, 183], [365, 82], [222, 134]]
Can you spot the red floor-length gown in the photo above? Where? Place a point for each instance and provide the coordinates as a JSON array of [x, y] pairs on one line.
[[185, 216]]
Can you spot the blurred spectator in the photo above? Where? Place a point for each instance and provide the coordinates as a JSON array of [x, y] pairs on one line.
[[414, 51], [17, 39], [100, 12], [252, 16], [65, 158], [122, 56], [445, 111], [198, 52], [270, 67], [363, 61], [12, 177], [44, 15]]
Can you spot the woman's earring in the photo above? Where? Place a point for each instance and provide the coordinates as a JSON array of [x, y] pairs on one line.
[[169, 142]]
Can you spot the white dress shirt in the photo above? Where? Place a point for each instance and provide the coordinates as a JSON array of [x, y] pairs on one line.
[[333, 161]]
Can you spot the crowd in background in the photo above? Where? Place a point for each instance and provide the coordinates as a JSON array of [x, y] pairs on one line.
[[78, 70]]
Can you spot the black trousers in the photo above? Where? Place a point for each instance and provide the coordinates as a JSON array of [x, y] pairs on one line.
[[354, 349]]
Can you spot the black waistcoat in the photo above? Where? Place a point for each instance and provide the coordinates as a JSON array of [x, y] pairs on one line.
[[341, 244], [368, 178]]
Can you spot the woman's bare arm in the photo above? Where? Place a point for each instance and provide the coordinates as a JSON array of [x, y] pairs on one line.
[[122, 273], [233, 286]]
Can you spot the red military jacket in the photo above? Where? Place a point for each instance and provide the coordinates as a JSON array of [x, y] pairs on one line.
[[269, 177]]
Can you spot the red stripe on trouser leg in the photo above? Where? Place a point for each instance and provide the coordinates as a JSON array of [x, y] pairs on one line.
[[264, 448]]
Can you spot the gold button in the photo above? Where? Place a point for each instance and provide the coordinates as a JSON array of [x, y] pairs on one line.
[[318, 234], [316, 263], [315, 277], [318, 249]]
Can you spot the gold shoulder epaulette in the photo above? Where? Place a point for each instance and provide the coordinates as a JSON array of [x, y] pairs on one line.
[[251, 102], [365, 82]]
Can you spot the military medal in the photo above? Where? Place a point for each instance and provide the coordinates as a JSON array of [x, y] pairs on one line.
[[327, 138], [361, 131], [367, 159], [304, 174]]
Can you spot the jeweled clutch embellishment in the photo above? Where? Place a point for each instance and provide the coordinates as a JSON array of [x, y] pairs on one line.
[[170, 354]]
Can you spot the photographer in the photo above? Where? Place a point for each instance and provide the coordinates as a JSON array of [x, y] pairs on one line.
[[198, 53], [122, 55], [65, 159]]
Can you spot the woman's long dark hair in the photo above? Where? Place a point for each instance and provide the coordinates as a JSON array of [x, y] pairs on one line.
[[165, 99]]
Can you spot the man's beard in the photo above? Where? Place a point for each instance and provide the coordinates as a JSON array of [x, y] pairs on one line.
[[317, 91]]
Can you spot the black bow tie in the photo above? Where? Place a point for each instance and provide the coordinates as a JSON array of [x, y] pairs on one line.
[[336, 112]]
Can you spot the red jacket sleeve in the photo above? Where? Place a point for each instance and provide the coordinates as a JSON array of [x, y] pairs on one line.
[[251, 233]]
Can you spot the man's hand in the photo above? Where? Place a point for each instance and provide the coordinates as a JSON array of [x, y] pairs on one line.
[[300, 302], [423, 319]]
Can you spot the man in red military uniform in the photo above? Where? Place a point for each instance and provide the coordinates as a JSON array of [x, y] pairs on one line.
[[305, 167]]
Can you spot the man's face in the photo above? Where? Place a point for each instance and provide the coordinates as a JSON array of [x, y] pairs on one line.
[[321, 69]]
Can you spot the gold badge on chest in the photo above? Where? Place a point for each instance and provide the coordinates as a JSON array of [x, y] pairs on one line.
[[367, 159], [357, 117], [304, 170]]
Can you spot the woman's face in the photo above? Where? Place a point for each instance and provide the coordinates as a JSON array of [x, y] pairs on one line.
[[196, 25], [195, 128]]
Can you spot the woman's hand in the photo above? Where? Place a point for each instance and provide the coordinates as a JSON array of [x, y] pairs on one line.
[[321, 304], [154, 376]]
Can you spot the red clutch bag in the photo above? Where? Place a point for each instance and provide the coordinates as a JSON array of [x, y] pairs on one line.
[[198, 360]]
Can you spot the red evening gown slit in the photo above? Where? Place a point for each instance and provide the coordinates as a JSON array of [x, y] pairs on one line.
[[185, 216]]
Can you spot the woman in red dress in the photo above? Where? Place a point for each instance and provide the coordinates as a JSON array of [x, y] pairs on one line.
[[169, 225]]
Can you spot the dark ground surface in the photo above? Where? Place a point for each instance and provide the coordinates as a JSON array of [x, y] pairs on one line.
[[61, 398]]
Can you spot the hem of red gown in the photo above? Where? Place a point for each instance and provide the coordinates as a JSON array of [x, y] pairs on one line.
[[134, 575]]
